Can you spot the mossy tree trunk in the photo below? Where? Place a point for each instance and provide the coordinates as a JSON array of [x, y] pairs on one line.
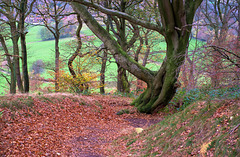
[[123, 84], [122, 80], [176, 17]]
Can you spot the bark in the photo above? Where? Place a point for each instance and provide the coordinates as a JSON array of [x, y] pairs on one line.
[[136, 58], [161, 85], [102, 72], [23, 46], [122, 81], [15, 38], [148, 49], [57, 54]]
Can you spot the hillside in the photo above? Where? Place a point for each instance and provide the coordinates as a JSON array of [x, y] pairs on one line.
[[72, 125], [202, 129]]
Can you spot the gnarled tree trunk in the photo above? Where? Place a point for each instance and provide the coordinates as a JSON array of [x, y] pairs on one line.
[[176, 18]]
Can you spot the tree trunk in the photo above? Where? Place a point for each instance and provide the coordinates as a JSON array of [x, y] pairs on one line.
[[57, 54], [122, 81], [136, 58], [15, 37], [162, 89], [24, 48], [74, 55], [102, 72], [161, 85], [12, 83]]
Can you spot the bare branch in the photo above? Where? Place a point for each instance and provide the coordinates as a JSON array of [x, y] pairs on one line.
[[120, 14]]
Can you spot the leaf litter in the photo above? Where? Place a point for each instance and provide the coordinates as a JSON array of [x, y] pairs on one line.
[[67, 125]]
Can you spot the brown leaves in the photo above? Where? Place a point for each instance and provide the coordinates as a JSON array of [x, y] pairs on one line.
[[65, 125]]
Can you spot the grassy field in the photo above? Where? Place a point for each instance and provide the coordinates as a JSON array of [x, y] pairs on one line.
[[44, 50]]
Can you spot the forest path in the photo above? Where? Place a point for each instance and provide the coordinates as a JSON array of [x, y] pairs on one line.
[[63, 125]]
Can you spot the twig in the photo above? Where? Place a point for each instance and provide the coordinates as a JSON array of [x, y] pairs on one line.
[[234, 129]]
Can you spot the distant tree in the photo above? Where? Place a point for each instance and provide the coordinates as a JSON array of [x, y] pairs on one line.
[[13, 15], [12, 82], [219, 16], [54, 13]]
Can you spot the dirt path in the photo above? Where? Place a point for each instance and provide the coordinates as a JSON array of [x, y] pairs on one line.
[[84, 126]]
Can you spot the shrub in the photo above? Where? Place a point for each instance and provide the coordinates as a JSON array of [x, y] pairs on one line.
[[80, 84]]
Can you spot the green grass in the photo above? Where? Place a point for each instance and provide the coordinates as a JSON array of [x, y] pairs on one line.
[[33, 34], [44, 50]]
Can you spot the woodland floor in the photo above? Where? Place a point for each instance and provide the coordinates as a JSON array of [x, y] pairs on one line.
[[66, 125]]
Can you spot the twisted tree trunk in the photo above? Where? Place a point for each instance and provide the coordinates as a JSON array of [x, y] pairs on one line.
[[177, 17]]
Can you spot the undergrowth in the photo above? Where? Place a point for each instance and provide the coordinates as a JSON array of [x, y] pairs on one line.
[[185, 97], [200, 129], [17, 103]]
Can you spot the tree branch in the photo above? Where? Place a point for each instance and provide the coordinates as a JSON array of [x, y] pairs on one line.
[[120, 14], [120, 56]]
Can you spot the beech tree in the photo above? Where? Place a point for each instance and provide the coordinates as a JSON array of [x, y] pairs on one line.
[[174, 21]]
